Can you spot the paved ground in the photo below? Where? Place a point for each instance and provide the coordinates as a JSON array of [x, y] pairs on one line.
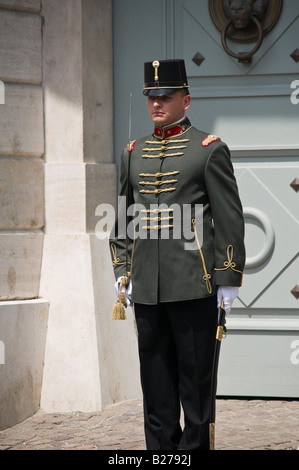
[[240, 425]]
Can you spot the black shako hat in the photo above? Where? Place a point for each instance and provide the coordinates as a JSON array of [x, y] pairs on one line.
[[163, 77]]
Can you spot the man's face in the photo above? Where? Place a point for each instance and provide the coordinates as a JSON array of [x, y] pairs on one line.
[[165, 110]]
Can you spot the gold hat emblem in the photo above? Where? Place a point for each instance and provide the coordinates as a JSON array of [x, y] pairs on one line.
[[156, 65]]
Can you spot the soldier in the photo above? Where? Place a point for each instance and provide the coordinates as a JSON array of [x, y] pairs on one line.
[[175, 290]]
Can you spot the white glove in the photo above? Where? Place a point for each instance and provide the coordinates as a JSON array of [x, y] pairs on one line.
[[128, 291], [228, 295]]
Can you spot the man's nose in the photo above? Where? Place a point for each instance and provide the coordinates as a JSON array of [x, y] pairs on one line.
[[157, 102]]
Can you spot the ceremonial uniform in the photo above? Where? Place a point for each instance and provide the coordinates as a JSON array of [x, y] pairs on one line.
[[187, 238]]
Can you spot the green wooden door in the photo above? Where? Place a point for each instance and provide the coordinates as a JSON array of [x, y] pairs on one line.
[[253, 108]]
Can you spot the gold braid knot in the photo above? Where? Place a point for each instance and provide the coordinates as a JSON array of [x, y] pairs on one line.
[[229, 263], [116, 260]]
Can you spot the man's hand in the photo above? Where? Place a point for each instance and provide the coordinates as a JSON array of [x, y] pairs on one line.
[[228, 295], [128, 291]]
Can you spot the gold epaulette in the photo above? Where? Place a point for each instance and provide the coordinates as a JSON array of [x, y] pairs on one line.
[[131, 145], [209, 139]]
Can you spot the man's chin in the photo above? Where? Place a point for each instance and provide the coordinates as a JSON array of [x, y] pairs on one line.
[[159, 121]]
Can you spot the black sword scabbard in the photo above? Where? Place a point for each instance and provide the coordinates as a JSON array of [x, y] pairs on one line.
[[220, 333]]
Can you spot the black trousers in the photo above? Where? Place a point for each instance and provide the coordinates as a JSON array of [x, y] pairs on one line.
[[176, 345]]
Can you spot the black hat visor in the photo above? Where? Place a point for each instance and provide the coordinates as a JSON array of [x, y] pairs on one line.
[[160, 91]]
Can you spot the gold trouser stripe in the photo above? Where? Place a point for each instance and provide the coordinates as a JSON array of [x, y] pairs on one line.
[[212, 435]]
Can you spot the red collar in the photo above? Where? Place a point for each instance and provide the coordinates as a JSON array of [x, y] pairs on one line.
[[168, 132]]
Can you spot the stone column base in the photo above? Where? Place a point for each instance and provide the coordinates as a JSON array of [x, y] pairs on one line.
[[23, 330], [91, 360]]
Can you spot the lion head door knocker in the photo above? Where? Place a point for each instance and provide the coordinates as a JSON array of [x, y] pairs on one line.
[[244, 21]]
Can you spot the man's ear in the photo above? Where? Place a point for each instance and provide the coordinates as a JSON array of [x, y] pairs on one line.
[[187, 101]]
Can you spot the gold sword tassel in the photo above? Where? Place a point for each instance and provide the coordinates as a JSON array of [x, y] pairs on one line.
[[118, 312]]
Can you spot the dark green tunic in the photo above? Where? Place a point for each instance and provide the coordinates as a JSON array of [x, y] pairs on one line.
[[184, 181]]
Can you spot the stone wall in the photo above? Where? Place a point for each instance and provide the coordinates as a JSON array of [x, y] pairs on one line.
[[91, 361], [23, 316], [21, 149], [56, 167]]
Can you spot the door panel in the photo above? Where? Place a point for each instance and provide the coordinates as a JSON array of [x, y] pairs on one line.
[[249, 107], [246, 104], [271, 235], [139, 35]]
